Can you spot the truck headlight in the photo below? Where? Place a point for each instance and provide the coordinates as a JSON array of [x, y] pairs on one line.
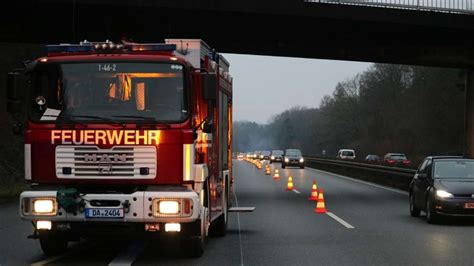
[[45, 206], [286, 159], [273, 157], [443, 194], [168, 207], [301, 160]]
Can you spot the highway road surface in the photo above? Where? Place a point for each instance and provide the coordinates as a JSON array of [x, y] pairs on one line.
[[366, 225]]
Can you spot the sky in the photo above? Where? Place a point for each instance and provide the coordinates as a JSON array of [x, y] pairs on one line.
[[264, 86]]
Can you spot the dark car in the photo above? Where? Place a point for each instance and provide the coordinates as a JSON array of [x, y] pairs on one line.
[[443, 186], [372, 159], [396, 160], [276, 156], [256, 155], [292, 157], [265, 155]]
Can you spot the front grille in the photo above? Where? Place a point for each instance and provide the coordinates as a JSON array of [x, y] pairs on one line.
[[119, 162]]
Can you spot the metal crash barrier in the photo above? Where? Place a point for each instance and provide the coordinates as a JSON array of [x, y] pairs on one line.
[[389, 176]]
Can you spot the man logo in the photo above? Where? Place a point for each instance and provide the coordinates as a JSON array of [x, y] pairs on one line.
[[105, 158]]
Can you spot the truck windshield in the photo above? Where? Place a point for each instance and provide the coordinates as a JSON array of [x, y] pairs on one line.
[[119, 91]]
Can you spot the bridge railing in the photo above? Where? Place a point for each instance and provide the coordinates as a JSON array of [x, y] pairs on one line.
[[450, 6], [389, 176]]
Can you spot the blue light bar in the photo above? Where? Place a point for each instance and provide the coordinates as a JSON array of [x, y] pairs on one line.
[[150, 47], [71, 48]]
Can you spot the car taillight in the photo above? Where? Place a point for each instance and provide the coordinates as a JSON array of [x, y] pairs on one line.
[[406, 161], [390, 161]]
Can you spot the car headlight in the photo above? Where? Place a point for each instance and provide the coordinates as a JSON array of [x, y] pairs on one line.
[[168, 207], [443, 194], [301, 160], [45, 206], [286, 159], [273, 157]]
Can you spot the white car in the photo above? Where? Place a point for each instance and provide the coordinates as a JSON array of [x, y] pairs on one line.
[[346, 154]]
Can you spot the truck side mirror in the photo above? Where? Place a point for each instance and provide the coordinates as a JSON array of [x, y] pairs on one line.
[[209, 86], [15, 91], [208, 127]]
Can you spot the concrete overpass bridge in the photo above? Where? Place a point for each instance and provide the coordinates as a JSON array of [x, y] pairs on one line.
[[415, 32], [418, 32]]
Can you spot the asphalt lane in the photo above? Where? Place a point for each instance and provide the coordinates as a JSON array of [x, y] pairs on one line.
[[283, 230]]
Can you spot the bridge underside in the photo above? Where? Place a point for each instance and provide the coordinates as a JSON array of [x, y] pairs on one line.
[[287, 28]]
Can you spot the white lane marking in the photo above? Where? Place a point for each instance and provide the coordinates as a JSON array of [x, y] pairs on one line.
[[362, 182], [128, 255], [296, 191], [74, 249], [337, 218], [240, 235]]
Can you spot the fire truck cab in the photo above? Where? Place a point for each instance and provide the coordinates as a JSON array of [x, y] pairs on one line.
[[125, 140]]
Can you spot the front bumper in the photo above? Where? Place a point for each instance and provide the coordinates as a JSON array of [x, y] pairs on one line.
[[454, 207], [294, 162], [140, 209]]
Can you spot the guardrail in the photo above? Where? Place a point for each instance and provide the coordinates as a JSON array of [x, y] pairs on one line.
[[449, 6], [389, 176]]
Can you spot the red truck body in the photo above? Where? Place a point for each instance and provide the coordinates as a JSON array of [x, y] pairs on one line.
[[142, 162]]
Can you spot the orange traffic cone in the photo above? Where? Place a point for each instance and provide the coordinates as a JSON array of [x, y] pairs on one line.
[[320, 205], [290, 183], [276, 175], [314, 192]]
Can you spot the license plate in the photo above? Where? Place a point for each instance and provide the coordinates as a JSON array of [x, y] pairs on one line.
[[104, 213], [469, 205]]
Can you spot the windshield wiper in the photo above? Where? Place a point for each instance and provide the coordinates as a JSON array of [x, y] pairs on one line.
[[144, 118], [63, 119], [70, 118]]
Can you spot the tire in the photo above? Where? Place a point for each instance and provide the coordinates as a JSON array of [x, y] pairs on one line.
[[431, 216], [301, 166], [193, 246], [283, 166], [52, 243], [414, 211]]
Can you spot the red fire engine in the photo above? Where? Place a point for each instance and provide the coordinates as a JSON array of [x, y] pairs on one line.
[[126, 139]]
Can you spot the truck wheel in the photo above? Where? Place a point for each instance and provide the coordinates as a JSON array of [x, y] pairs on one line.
[[193, 244], [52, 243]]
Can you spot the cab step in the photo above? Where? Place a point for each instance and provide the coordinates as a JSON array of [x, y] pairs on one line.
[[241, 209]]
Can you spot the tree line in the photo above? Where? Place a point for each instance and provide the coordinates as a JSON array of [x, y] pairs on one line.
[[414, 110]]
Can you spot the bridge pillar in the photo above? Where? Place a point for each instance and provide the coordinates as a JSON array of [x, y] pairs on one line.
[[469, 115]]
